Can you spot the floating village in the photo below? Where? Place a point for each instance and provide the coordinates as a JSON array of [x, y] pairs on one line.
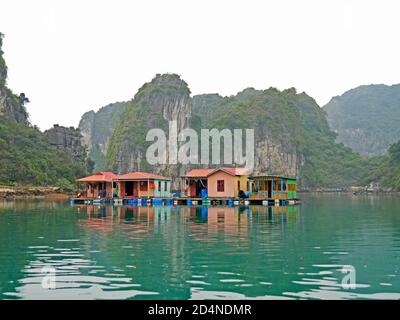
[[213, 186]]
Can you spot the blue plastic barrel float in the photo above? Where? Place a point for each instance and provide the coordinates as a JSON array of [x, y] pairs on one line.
[[144, 202]]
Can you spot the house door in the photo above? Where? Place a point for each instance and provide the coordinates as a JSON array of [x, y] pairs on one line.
[[269, 189], [199, 186], [129, 188]]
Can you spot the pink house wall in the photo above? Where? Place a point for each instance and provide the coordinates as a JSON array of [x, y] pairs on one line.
[[229, 187]]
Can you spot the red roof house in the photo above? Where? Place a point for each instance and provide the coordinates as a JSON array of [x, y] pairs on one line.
[[219, 182], [99, 185], [143, 184]]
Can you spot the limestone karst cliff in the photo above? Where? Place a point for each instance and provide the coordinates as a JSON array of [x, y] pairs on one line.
[[165, 98], [366, 118], [69, 140], [26, 156], [97, 129], [292, 135], [12, 106]]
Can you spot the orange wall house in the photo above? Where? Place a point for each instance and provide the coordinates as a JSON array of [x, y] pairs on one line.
[[143, 184], [100, 185], [227, 182], [194, 181], [220, 182]]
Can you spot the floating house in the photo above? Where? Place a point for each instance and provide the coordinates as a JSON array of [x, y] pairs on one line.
[[272, 187], [99, 185], [218, 186], [215, 183], [143, 184]]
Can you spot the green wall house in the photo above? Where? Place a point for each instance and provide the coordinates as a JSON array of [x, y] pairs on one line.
[[272, 187], [162, 188]]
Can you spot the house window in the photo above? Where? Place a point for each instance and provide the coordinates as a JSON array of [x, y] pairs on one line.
[[238, 185], [143, 185], [220, 185], [159, 185], [165, 186]]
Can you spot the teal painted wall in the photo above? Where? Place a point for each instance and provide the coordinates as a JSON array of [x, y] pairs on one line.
[[160, 192], [292, 194]]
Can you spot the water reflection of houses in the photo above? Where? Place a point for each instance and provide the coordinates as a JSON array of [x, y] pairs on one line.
[[168, 240], [97, 217], [212, 215]]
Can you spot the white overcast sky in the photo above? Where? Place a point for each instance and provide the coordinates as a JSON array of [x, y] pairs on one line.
[[70, 57]]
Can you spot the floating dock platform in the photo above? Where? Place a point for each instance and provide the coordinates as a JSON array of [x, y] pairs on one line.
[[186, 201]]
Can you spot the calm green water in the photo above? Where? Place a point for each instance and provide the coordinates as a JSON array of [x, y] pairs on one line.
[[202, 253]]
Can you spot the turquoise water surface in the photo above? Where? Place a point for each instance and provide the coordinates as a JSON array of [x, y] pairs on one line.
[[95, 252]]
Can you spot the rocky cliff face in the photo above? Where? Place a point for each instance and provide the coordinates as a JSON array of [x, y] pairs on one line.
[[167, 95], [26, 156], [366, 118], [275, 153], [69, 140], [165, 98], [86, 126], [11, 106], [97, 129], [292, 135], [273, 157]]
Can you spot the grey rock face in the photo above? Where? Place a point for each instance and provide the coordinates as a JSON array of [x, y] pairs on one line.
[[366, 118], [69, 140], [273, 157], [86, 126], [165, 98], [11, 108]]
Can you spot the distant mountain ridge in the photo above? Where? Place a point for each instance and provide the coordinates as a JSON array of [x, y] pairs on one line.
[[366, 118]]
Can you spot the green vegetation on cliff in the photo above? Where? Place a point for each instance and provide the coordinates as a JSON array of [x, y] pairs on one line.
[[293, 120], [3, 66], [387, 172], [366, 118], [166, 97], [26, 157], [98, 127]]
